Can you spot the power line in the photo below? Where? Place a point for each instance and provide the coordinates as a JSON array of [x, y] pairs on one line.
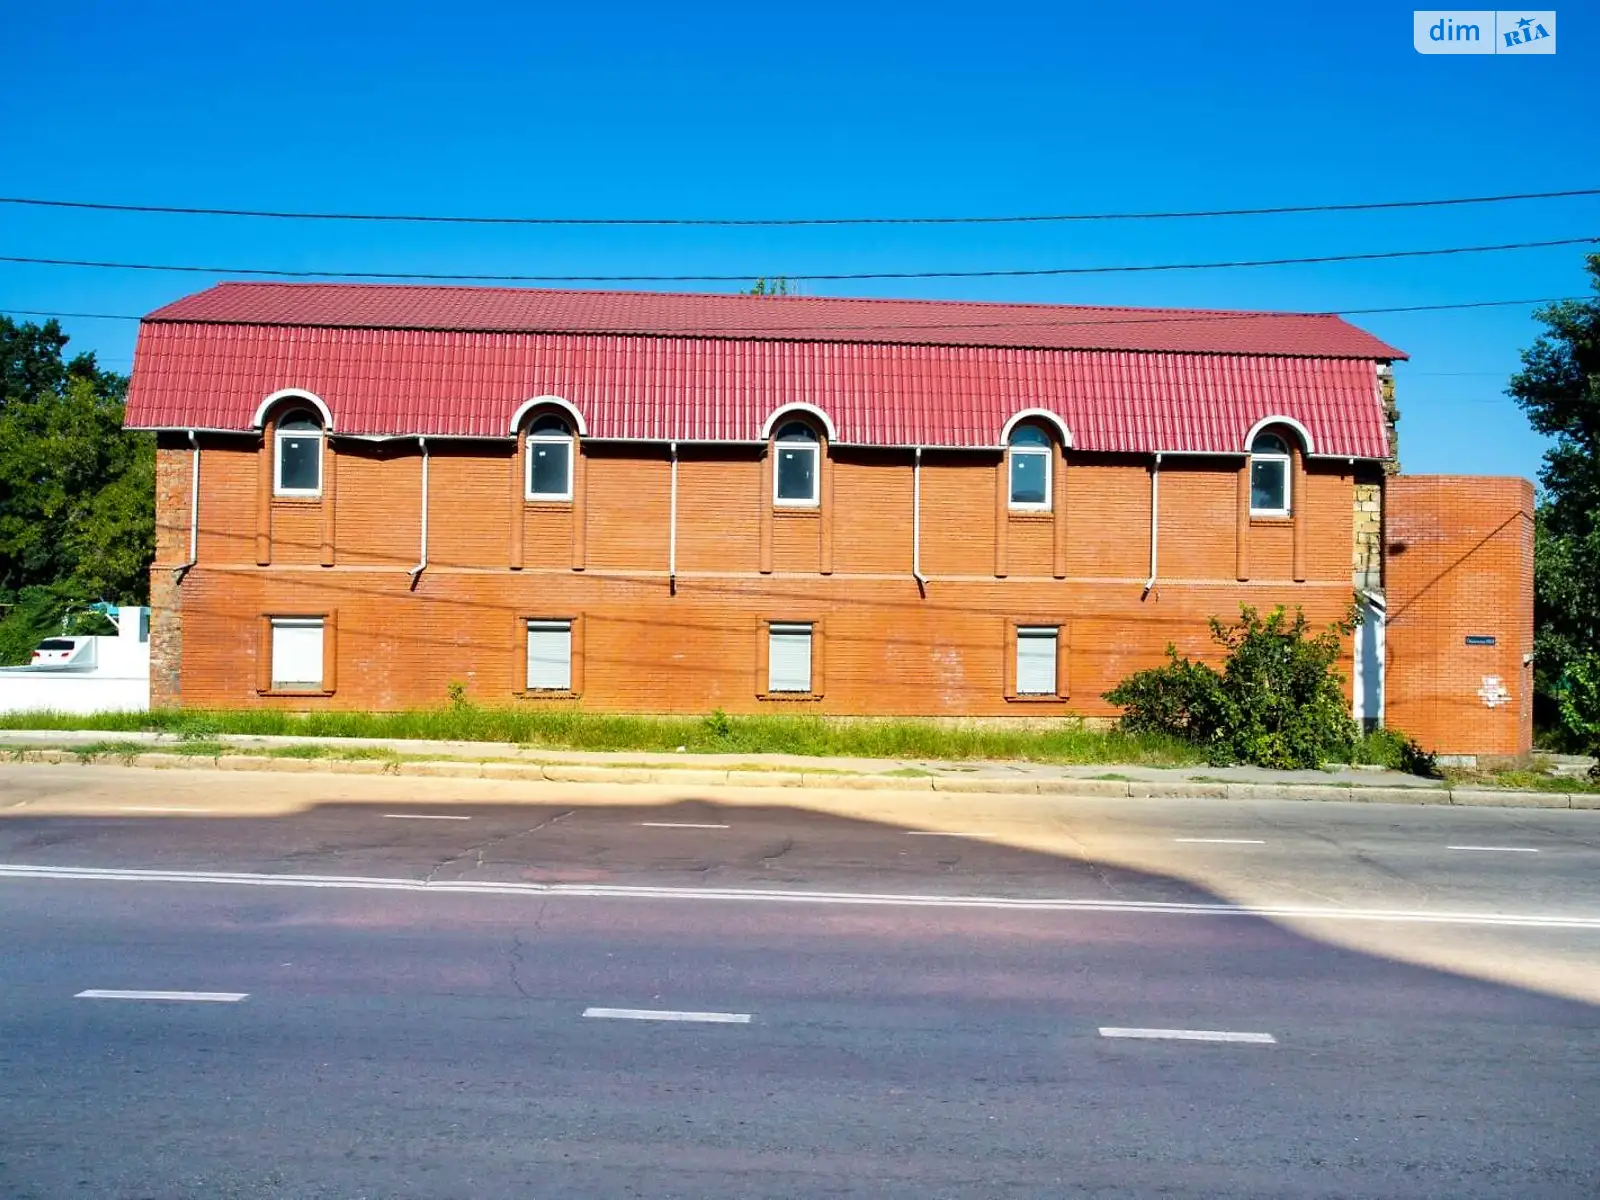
[[743, 277], [1164, 319], [774, 222]]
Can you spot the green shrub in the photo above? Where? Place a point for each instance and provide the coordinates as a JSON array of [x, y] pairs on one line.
[[1277, 702], [1392, 749], [1578, 701]]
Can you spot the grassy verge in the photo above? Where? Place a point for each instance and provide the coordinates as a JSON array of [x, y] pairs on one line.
[[1518, 779], [715, 734]]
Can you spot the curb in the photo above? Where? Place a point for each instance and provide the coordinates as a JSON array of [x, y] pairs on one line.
[[698, 778]]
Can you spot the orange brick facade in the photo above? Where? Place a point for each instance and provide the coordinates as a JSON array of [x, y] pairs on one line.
[[1459, 566], [645, 642]]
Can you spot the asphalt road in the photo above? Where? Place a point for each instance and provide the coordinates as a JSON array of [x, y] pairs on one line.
[[943, 1039]]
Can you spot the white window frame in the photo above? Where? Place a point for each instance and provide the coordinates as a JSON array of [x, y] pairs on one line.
[[1047, 452], [814, 448], [539, 625], [276, 624], [281, 435], [1285, 463], [549, 439], [792, 630], [1039, 633]]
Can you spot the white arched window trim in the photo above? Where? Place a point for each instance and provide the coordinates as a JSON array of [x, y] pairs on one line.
[[527, 406], [1265, 423], [791, 411], [1036, 414], [289, 397], [1271, 472]]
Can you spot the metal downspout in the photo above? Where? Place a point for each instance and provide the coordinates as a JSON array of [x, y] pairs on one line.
[[1155, 523], [194, 513], [672, 525], [916, 521], [422, 563]]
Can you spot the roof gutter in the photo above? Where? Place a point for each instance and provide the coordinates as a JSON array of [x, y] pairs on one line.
[[1155, 523], [422, 562], [194, 512], [916, 521]]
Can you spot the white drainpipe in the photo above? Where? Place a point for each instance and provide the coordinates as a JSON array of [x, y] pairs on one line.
[[422, 563], [194, 512], [672, 523], [916, 519], [1155, 521]]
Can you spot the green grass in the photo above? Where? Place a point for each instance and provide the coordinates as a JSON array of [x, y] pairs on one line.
[[1518, 779], [716, 734]]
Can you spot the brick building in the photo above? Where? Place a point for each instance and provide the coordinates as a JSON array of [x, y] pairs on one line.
[[670, 503]]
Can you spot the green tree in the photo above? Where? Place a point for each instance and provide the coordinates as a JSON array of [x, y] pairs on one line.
[[77, 492], [778, 285], [1559, 389]]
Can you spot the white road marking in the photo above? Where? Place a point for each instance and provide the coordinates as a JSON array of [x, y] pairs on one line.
[[424, 817], [680, 825], [1497, 849], [210, 997], [1225, 841], [160, 808], [776, 896], [1189, 1035], [656, 1014], [942, 833]]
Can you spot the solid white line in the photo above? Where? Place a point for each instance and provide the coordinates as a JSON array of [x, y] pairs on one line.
[[942, 833], [212, 997], [160, 808], [656, 1014], [679, 825], [776, 896], [1189, 1035], [1497, 849], [1225, 841], [424, 817]]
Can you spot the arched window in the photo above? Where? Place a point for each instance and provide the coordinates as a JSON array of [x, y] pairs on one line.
[[1030, 453], [1269, 476], [297, 454], [794, 479], [549, 459]]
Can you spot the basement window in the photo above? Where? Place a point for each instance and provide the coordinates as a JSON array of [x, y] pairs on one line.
[[297, 455], [789, 658], [794, 482], [1036, 660], [1269, 476], [297, 654], [549, 656], [550, 445]]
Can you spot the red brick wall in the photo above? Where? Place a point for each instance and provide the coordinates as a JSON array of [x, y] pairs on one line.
[[888, 649], [1459, 564]]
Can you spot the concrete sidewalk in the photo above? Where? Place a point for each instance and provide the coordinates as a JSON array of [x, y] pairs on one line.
[[504, 761]]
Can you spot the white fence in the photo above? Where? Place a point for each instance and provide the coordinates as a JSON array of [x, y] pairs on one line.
[[117, 678]]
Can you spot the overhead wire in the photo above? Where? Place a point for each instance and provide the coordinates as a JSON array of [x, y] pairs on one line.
[[788, 222]]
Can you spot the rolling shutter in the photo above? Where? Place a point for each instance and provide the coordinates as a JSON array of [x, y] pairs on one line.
[[1036, 660], [550, 656], [297, 653], [789, 658]]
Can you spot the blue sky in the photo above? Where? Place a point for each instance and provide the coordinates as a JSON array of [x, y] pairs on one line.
[[822, 109]]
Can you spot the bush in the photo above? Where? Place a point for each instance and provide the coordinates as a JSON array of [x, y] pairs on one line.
[[1277, 702], [1392, 749], [1578, 700]]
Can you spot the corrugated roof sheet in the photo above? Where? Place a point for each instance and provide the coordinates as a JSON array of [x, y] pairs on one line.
[[388, 362]]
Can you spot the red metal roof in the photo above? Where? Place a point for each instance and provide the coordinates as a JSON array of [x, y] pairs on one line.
[[460, 362]]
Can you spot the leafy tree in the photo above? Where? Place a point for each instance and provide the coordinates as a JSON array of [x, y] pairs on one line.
[[77, 492], [778, 285], [1559, 388]]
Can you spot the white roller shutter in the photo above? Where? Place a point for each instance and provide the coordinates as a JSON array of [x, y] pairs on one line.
[[550, 656], [1036, 660], [789, 658], [297, 653]]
